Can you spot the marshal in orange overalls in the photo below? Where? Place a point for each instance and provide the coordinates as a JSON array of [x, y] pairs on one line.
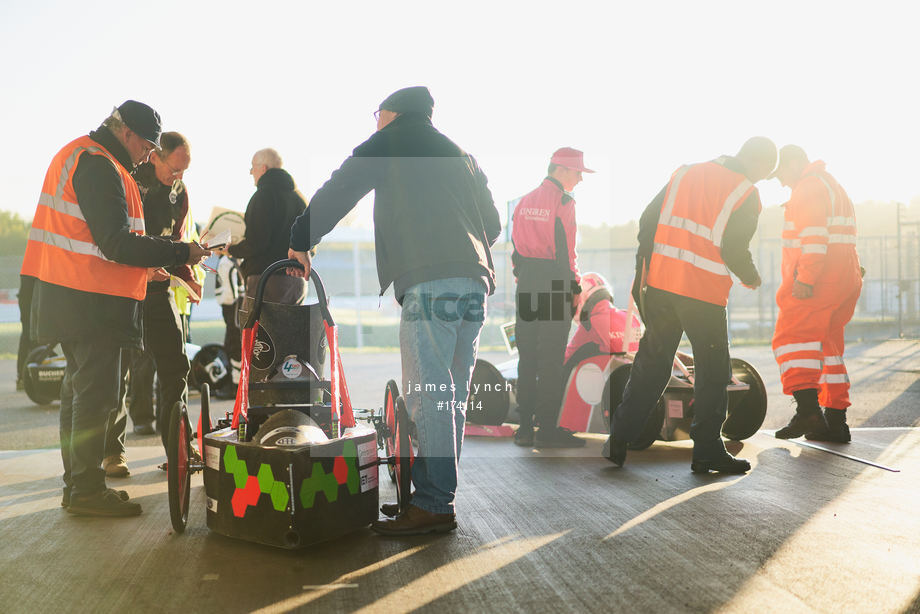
[[819, 249]]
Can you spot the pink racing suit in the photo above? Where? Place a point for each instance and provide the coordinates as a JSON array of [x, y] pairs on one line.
[[607, 329]]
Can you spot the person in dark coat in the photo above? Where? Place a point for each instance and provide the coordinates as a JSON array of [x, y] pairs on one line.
[[434, 223], [269, 216], [165, 210]]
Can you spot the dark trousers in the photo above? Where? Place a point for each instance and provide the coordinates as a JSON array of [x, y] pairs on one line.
[[543, 318], [118, 420], [140, 387], [26, 284], [667, 317], [90, 394], [164, 354]]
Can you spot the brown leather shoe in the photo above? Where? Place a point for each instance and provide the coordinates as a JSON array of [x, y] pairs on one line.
[[116, 466], [415, 521], [104, 503]]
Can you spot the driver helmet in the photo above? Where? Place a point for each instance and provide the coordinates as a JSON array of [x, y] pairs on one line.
[[591, 283]]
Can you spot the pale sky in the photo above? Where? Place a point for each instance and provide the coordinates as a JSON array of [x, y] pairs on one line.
[[640, 87]]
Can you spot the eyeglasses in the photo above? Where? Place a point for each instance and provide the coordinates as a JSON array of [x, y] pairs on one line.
[[377, 115], [172, 172], [148, 146]]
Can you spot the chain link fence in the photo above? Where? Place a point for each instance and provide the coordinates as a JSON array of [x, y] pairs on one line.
[[889, 306]]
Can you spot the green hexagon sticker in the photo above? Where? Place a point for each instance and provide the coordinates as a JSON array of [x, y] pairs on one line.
[[265, 477], [235, 467], [279, 494]]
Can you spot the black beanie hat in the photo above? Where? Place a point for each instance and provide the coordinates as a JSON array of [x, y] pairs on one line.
[[141, 119], [415, 99]]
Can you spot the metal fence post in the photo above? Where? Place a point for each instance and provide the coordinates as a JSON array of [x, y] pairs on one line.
[[359, 334], [900, 279]]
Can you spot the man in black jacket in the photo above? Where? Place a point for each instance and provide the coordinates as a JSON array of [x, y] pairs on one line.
[[94, 327], [165, 210], [269, 216], [434, 222], [683, 276]]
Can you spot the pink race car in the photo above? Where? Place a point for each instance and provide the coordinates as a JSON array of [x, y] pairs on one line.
[[597, 363]]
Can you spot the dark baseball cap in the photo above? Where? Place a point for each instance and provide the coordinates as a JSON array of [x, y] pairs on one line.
[[141, 119], [416, 99]]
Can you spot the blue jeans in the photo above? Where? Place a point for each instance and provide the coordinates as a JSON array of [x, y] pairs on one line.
[[438, 338]]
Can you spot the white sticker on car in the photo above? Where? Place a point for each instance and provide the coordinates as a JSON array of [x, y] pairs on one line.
[[367, 452], [291, 367], [368, 478], [212, 457]]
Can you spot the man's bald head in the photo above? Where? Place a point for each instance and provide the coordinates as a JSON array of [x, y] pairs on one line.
[[758, 156], [263, 160], [792, 163]]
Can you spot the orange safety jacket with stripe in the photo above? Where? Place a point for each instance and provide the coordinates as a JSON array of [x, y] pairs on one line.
[[819, 230], [61, 249], [687, 251]]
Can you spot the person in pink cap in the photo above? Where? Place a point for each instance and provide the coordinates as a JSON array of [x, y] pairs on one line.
[[546, 269]]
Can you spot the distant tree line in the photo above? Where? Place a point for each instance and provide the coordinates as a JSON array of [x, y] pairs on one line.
[[14, 231], [873, 219]]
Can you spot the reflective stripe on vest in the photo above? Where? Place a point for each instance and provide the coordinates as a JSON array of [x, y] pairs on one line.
[[687, 251], [61, 249], [789, 348], [801, 363], [842, 228], [73, 210], [819, 248], [685, 255]]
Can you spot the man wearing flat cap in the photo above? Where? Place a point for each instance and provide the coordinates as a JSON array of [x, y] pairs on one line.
[[545, 266], [90, 257], [434, 222]]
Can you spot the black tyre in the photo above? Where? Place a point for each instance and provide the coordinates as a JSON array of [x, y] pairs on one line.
[[489, 399], [746, 409], [211, 365], [390, 394], [206, 425], [163, 415], [405, 456], [178, 470]]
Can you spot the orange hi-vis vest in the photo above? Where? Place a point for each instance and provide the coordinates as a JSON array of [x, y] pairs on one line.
[[820, 227], [61, 249], [687, 254]]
